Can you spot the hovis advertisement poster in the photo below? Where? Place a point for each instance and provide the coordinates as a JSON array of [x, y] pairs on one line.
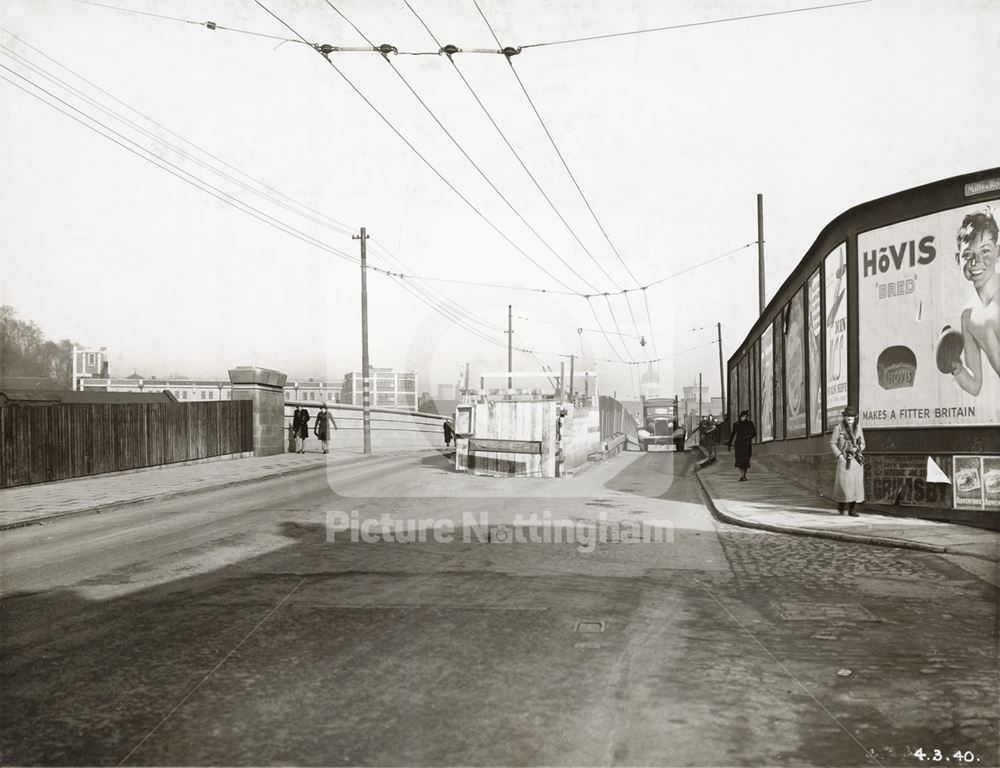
[[929, 316], [836, 333]]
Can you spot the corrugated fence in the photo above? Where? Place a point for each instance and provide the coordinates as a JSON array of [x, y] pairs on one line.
[[616, 420], [41, 443]]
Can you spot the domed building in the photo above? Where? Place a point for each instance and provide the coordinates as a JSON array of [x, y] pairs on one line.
[[649, 382]]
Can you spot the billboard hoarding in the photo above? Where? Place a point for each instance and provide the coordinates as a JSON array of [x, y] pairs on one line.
[[814, 334], [767, 385], [795, 367], [929, 308], [835, 272]]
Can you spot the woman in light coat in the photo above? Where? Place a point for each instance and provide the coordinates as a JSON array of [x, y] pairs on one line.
[[324, 422], [848, 445]]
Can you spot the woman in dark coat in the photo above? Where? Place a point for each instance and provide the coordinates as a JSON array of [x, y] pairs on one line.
[[744, 433], [300, 429]]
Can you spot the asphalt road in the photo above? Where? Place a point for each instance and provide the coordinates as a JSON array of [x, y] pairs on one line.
[[244, 627]]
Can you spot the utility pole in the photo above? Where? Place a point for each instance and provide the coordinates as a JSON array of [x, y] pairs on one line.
[[562, 380], [510, 350], [760, 250], [722, 375], [366, 392], [571, 361]]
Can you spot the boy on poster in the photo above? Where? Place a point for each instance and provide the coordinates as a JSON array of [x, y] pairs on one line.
[[961, 353]]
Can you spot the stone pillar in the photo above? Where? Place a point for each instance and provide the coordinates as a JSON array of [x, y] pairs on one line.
[[266, 389]]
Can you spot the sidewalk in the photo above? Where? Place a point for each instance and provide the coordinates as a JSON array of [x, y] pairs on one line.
[[30, 504], [774, 503]]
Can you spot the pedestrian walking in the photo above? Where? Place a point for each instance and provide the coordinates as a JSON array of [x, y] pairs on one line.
[[448, 433], [744, 433], [324, 424], [300, 429], [848, 444], [708, 437]]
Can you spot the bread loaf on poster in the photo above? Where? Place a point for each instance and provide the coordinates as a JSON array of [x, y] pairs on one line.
[[897, 367]]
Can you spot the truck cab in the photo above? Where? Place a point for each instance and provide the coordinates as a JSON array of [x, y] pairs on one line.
[[660, 425]]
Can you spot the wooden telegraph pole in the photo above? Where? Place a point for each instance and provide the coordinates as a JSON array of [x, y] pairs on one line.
[[722, 375], [760, 251], [366, 392], [510, 350]]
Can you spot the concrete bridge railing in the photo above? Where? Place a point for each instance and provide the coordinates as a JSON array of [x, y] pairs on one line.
[[391, 430]]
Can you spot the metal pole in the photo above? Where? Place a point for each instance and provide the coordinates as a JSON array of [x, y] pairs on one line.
[[760, 250], [510, 349], [366, 404], [722, 376], [571, 361], [562, 379]]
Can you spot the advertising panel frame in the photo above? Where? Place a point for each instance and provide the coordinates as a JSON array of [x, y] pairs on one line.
[[766, 422], [794, 345], [779, 377], [815, 367], [928, 364], [836, 333]]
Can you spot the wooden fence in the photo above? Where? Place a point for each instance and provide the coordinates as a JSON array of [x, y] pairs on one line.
[[42, 443]]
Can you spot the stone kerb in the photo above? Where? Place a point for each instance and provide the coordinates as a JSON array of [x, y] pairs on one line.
[[265, 388]]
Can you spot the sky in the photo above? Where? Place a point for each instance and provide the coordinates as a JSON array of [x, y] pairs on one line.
[[669, 135]]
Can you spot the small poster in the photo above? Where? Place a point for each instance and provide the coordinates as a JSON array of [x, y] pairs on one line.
[[991, 482], [967, 482]]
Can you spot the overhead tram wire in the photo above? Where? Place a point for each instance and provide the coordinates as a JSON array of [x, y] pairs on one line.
[[502, 50], [562, 159], [693, 24], [431, 293], [615, 362], [417, 152], [510, 146], [618, 328], [471, 161], [321, 220], [172, 168], [604, 333], [208, 24], [332, 223], [250, 210]]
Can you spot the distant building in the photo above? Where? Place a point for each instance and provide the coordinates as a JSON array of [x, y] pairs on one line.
[[311, 391], [649, 382], [447, 392], [189, 390], [185, 390], [389, 389], [86, 364], [709, 404]]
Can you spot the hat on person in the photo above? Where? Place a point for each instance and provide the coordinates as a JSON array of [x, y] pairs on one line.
[[850, 411]]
